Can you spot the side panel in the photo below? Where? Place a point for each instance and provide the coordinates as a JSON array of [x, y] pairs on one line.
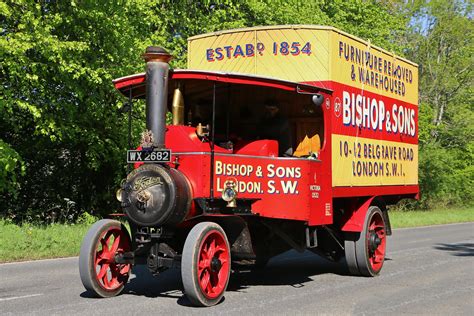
[[370, 69], [374, 116], [374, 107], [284, 188], [293, 54]]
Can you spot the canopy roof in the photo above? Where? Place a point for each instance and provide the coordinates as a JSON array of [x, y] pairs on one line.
[[134, 85]]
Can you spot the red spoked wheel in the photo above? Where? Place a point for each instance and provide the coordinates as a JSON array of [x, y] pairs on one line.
[[365, 252], [205, 264], [99, 272], [375, 242]]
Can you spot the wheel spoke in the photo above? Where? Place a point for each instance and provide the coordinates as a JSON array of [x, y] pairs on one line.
[[108, 242], [103, 271], [202, 264], [105, 247], [378, 258], [124, 269], [220, 249], [212, 248], [115, 245], [371, 226], [105, 280], [205, 280], [100, 255], [205, 252]]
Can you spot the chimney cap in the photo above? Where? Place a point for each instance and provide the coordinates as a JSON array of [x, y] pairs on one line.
[[157, 53]]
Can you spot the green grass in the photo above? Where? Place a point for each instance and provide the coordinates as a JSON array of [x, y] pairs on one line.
[[30, 242], [401, 219]]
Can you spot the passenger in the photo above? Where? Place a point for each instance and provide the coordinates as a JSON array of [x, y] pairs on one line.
[[201, 113], [274, 126]]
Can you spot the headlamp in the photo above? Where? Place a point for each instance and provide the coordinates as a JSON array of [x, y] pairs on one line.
[[229, 194]]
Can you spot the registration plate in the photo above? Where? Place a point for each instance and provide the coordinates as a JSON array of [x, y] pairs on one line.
[[157, 155]]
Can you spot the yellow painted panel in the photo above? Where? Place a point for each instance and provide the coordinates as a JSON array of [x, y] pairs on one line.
[[366, 67], [288, 54], [358, 161], [331, 55]]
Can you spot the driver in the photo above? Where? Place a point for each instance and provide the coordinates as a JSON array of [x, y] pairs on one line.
[[277, 127]]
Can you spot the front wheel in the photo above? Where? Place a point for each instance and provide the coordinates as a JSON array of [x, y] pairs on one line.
[[365, 251], [205, 264], [97, 268]]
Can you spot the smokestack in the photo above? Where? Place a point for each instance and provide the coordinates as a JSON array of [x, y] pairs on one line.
[[157, 67]]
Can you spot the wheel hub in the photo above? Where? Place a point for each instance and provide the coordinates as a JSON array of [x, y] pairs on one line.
[[216, 264], [374, 241]]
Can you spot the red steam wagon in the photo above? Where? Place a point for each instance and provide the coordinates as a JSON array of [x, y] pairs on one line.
[[287, 137]]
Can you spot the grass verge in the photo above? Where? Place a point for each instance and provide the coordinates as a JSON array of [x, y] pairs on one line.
[[30, 242], [402, 219]]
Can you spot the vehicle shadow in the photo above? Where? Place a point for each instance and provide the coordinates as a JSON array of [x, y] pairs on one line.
[[457, 249], [291, 268], [166, 284]]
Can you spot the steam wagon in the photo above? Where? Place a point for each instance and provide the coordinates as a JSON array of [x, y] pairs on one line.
[[285, 137]]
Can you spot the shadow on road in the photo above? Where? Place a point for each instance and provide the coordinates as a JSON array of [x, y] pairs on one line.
[[457, 249], [291, 268]]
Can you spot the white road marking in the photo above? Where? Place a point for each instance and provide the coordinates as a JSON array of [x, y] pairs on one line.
[[418, 240], [18, 297]]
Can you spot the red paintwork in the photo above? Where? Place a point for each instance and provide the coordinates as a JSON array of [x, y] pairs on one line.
[[355, 215], [377, 258], [111, 276], [308, 184], [213, 283], [136, 81]]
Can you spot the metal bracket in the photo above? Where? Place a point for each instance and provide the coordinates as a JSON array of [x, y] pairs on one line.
[[311, 237]]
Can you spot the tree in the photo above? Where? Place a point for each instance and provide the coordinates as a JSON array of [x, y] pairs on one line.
[[441, 41]]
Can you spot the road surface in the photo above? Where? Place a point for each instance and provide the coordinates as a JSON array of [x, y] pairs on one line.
[[428, 271]]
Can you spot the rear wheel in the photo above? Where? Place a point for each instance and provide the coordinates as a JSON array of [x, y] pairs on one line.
[[97, 268], [205, 264], [365, 251]]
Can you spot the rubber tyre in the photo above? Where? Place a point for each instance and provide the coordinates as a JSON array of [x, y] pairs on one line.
[[89, 261], [194, 253], [350, 253], [360, 260]]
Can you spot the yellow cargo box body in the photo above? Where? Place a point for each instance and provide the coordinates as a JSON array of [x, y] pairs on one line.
[[373, 126]]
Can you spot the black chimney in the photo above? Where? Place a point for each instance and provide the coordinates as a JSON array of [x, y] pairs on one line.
[[157, 67]]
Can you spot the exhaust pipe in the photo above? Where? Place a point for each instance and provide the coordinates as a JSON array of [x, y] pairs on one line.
[[157, 68]]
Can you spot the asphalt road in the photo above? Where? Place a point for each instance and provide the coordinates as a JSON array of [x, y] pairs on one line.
[[428, 271]]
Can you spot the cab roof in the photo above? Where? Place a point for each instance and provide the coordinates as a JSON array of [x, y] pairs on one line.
[[134, 85]]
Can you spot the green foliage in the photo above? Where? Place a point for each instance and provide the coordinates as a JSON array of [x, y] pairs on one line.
[[447, 176], [441, 41], [10, 165], [59, 109], [87, 219]]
